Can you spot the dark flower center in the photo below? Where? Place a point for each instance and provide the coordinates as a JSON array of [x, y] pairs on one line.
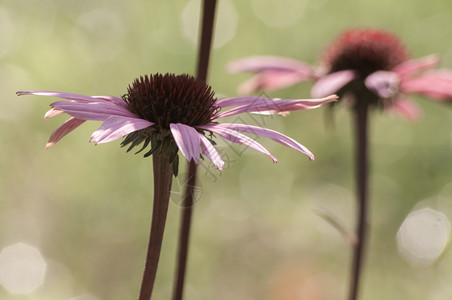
[[169, 98], [365, 51], [162, 100]]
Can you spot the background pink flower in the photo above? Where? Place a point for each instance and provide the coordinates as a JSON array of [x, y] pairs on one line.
[[365, 59]]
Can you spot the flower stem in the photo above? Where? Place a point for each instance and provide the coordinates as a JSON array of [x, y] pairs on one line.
[[208, 16], [361, 119], [184, 233], [163, 172]]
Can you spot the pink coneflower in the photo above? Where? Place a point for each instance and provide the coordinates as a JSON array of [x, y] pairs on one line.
[[369, 68], [372, 61], [172, 112]]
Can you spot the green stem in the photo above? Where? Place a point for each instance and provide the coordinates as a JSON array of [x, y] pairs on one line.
[[163, 173]]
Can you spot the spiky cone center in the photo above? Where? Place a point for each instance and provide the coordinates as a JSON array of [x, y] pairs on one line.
[[364, 51], [164, 100], [169, 98]]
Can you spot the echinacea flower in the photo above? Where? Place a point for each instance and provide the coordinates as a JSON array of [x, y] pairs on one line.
[[172, 112], [369, 68], [367, 61]]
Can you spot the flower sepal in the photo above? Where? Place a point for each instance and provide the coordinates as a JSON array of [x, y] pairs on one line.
[[161, 141]]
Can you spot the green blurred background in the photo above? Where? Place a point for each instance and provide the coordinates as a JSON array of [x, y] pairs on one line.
[[255, 232]]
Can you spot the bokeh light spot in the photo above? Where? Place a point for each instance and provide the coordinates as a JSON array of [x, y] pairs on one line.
[[279, 14], [225, 22], [99, 35], [7, 33], [22, 268], [423, 236]]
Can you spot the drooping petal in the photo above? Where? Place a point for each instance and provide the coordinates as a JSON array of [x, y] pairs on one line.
[[116, 127], [187, 139], [385, 84], [67, 127], [98, 111], [210, 152], [433, 84], [52, 113], [269, 105], [271, 134], [265, 63], [332, 83], [413, 66], [68, 96], [406, 108], [238, 138]]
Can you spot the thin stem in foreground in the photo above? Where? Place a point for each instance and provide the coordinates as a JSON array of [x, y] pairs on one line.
[[361, 123], [208, 16], [163, 172], [184, 232]]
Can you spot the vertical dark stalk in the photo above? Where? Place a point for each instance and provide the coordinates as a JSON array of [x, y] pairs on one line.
[[163, 172], [208, 16], [361, 126], [184, 231]]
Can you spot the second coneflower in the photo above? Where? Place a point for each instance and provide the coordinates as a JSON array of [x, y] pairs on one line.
[[165, 114], [371, 60], [369, 68]]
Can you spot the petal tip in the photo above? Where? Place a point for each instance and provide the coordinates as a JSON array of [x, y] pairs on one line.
[[333, 97]]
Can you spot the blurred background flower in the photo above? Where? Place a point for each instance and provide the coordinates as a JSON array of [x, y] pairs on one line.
[[260, 235]]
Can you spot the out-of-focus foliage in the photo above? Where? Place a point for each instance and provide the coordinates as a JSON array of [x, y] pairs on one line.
[[255, 233]]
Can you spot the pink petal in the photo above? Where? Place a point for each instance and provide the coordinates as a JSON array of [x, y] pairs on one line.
[[235, 101], [116, 127], [332, 83], [271, 80], [434, 84], [187, 139], [67, 127], [210, 152], [253, 100], [68, 96], [98, 111], [237, 138], [269, 105], [271, 134], [408, 109], [416, 65], [113, 99], [384, 84], [265, 63], [52, 113]]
